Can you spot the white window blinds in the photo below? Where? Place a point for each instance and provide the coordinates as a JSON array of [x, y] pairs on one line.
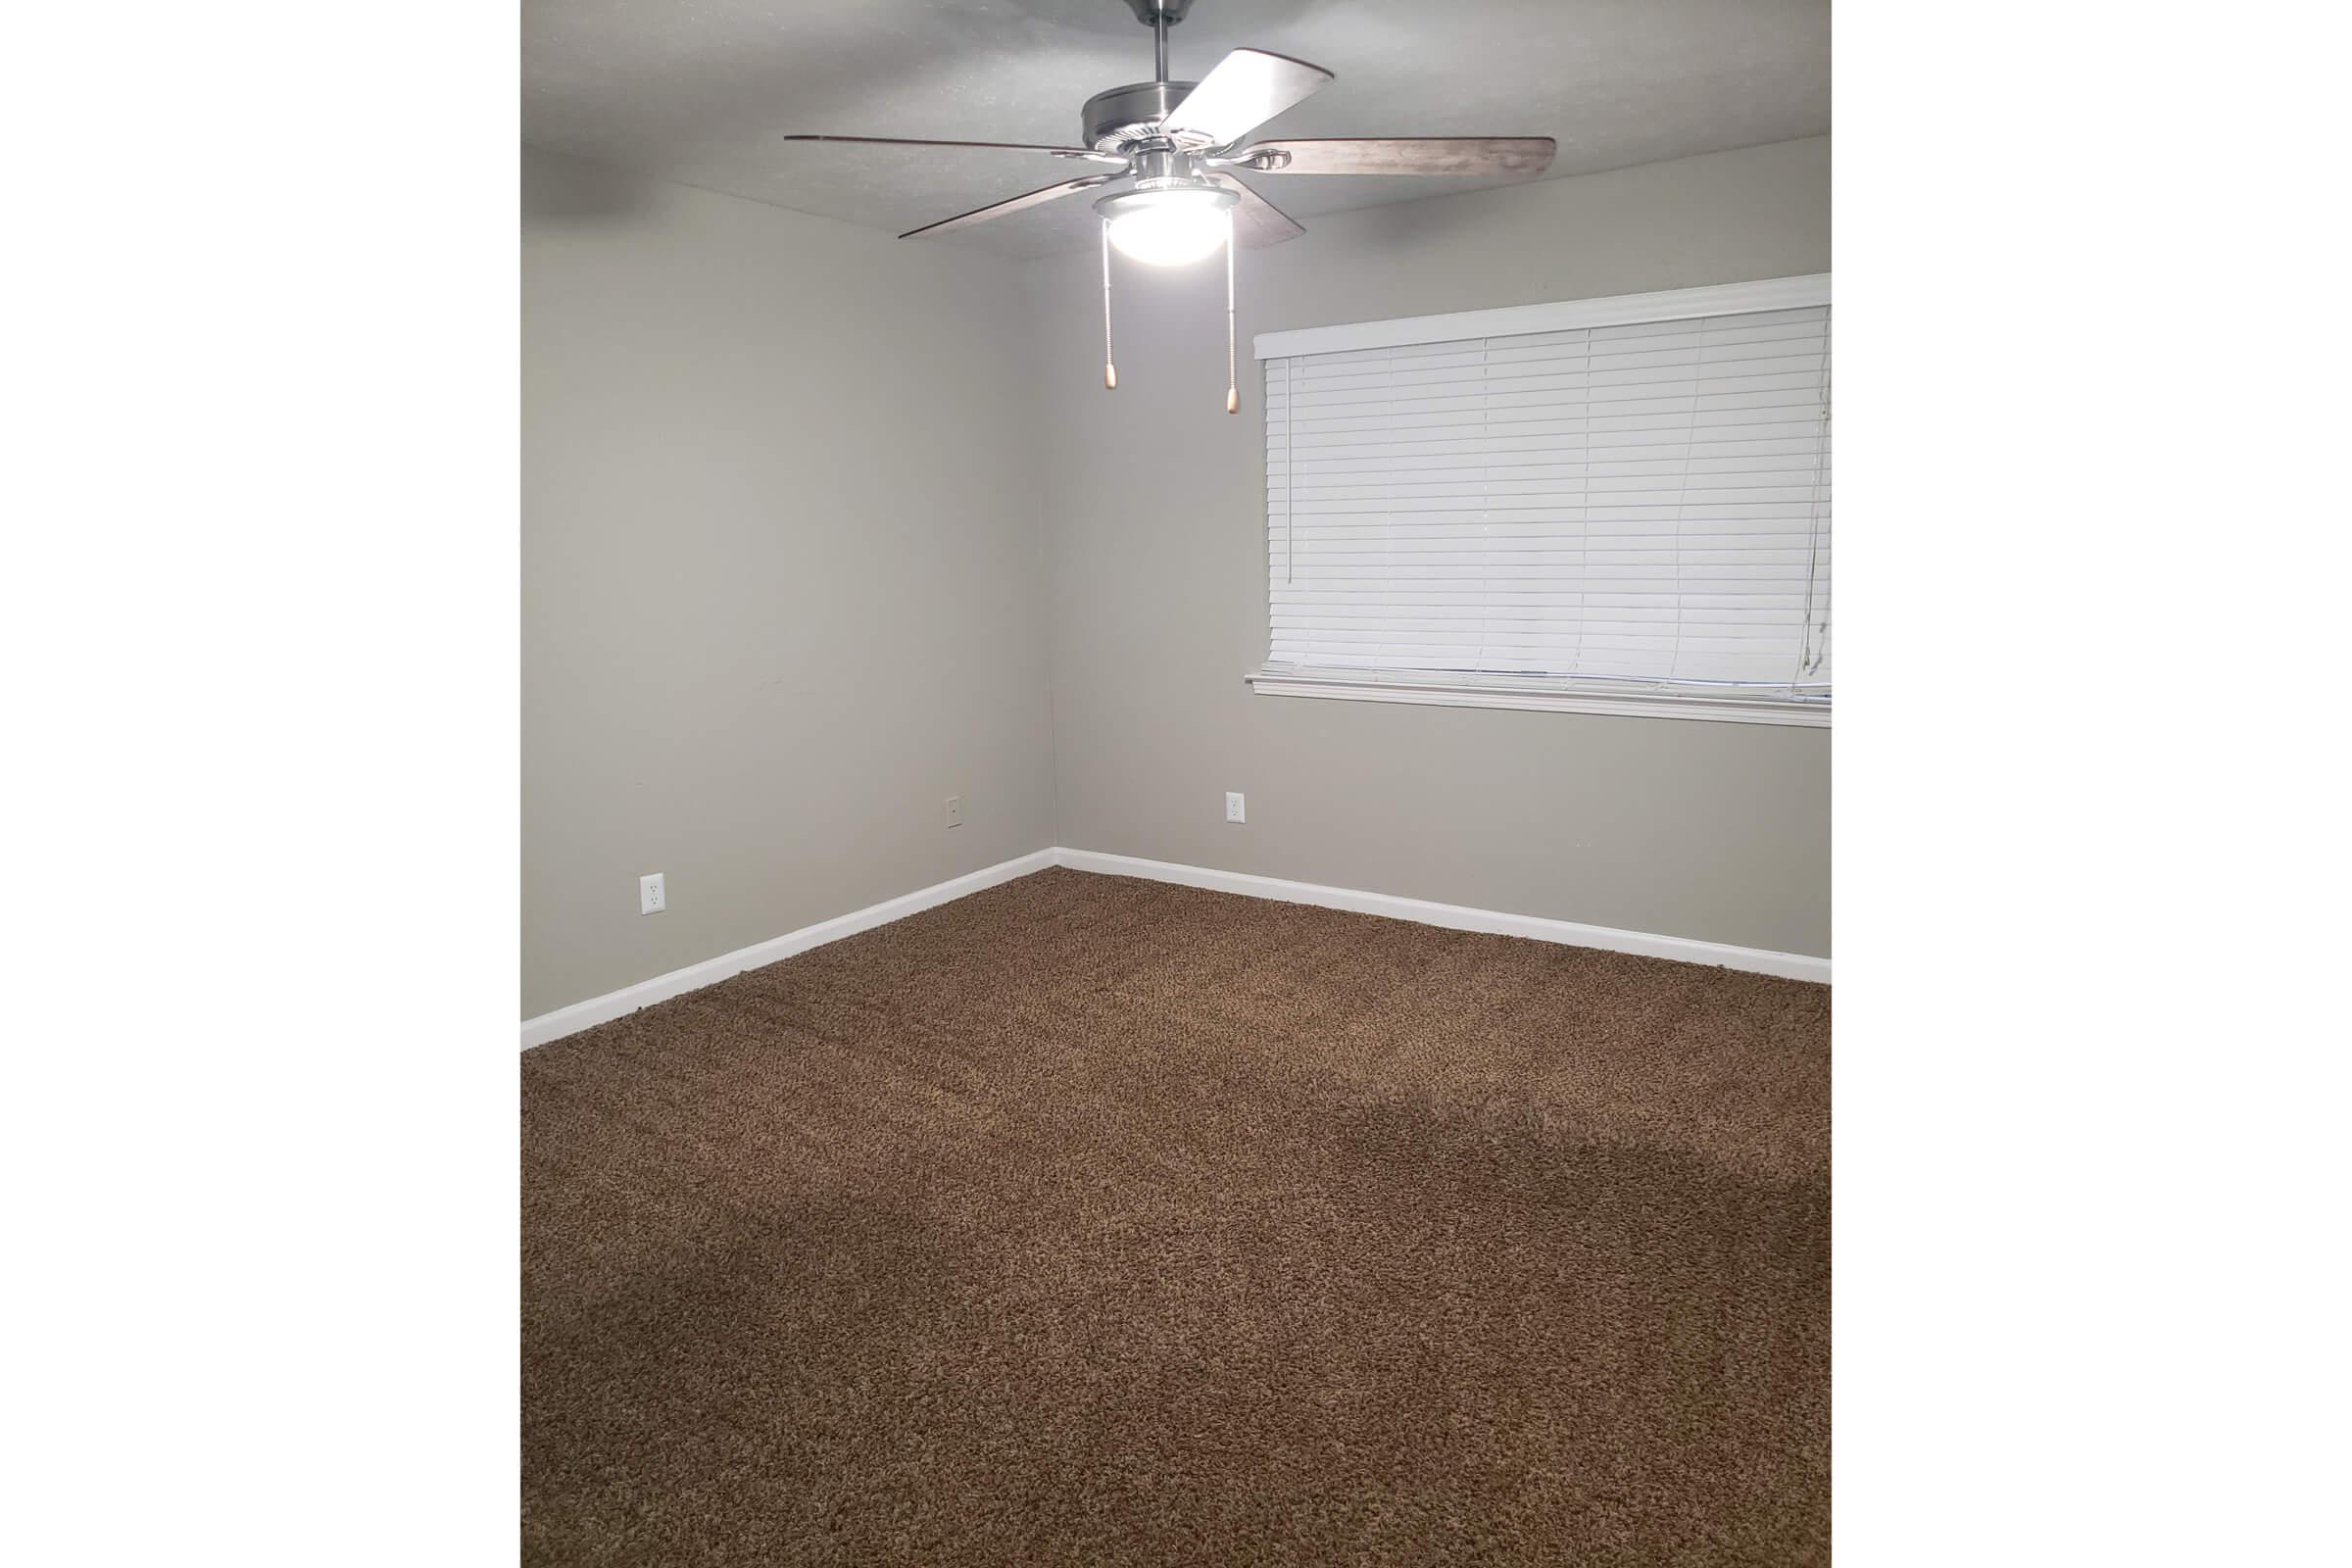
[[1630, 507]]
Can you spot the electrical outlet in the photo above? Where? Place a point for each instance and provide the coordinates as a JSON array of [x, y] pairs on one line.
[[650, 900], [1233, 806], [955, 810]]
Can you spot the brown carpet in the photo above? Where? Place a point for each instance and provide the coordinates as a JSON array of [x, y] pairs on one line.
[[1091, 1220]]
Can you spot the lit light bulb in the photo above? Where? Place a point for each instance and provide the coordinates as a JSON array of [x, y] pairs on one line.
[[1167, 228]]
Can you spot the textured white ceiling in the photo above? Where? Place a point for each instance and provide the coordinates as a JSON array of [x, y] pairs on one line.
[[702, 91]]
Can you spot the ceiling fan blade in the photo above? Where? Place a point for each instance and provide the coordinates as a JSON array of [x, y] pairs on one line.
[[1257, 221], [1247, 89], [1522, 155], [991, 146], [1035, 198]]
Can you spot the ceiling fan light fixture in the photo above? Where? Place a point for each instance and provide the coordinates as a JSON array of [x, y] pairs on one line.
[[1170, 227], [1176, 140]]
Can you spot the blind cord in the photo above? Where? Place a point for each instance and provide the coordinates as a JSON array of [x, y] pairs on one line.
[[1809, 657]]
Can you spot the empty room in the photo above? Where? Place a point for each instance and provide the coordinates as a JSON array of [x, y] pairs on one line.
[[1176, 831], [1048, 783]]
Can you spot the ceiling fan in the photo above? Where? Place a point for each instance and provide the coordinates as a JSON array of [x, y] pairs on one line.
[[1179, 143]]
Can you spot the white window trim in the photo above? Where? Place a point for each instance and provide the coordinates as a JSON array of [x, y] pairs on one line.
[[1534, 696], [1665, 305], [1564, 316]]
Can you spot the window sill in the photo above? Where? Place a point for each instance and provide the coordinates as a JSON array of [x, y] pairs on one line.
[[1355, 687]]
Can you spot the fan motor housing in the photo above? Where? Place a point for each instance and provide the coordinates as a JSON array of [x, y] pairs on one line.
[[1130, 114]]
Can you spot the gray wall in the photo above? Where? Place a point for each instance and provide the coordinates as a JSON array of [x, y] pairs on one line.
[[819, 530], [1157, 559], [782, 588]]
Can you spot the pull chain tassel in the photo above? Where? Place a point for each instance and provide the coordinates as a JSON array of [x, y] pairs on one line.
[[1233, 393], [1110, 372]]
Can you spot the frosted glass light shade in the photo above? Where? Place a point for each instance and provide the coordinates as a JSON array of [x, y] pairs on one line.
[[1167, 228]]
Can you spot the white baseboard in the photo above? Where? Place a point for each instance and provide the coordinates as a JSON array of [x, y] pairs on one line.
[[1460, 917], [661, 987]]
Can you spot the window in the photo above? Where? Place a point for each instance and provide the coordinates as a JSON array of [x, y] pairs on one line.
[[1614, 505]]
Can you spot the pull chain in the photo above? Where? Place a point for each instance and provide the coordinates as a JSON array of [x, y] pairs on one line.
[[1110, 372], [1233, 389]]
